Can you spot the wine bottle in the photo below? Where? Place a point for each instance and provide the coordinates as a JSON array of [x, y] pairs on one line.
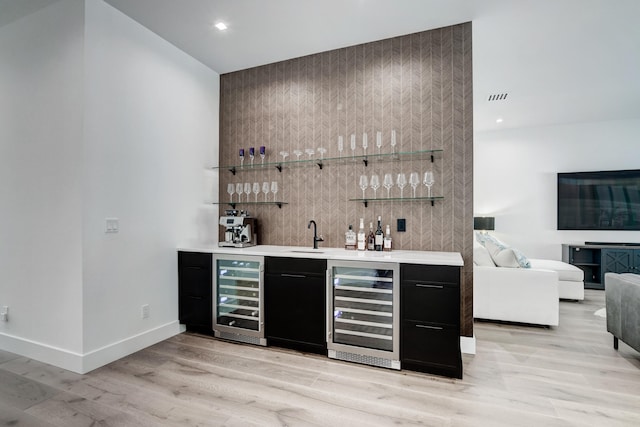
[[362, 239], [379, 235], [386, 245], [371, 239], [350, 239]]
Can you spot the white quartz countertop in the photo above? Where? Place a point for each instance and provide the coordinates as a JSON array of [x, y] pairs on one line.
[[407, 257]]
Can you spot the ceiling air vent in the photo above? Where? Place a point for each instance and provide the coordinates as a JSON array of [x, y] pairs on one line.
[[498, 97]]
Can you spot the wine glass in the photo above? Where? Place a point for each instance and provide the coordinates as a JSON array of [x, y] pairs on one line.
[[363, 183], [322, 150], [387, 182], [247, 189], [252, 154], [274, 189], [353, 144], [375, 184], [256, 190], [340, 145], [428, 181], [365, 143], [393, 140], [265, 189], [401, 181], [241, 153], [378, 140], [309, 152], [414, 181], [298, 153], [231, 189], [263, 152], [284, 155], [239, 191]]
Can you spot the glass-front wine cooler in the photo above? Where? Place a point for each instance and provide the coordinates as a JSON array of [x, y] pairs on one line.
[[363, 320], [238, 313]]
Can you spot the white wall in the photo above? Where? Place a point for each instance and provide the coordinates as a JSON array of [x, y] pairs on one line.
[[99, 117], [515, 179], [40, 182], [151, 129]]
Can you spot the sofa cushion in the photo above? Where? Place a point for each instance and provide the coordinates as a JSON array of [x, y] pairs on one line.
[[481, 256], [505, 256], [565, 271]]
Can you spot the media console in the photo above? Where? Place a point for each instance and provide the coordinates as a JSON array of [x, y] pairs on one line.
[[598, 258]]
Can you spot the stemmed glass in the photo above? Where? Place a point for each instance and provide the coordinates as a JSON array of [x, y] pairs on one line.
[[387, 182], [378, 140], [247, 189], [353, 145], [375, 184], [239, 191], [265, 189], [365, 143], [298, 153], [241, 152], [231, 189], [401, 181], [322, 150], [340, 145], [256, 190], [263, 152], [414, 180], [252, 154], [274, 189], [284, 155], [428, 181], [393, 140], [363, 183], [309, 152]]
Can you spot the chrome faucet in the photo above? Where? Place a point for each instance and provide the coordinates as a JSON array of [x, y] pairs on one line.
[[316, 239]]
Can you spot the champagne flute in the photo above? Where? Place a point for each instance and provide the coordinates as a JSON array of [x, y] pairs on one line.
[[239, 191], [393, 140], [340, 145], [378, 140], [265, 189], [247, 190], [353, 145], [387, 182], [414, 180], [256, 190], [375, 184], [263, 152], [274, 189], [401, 181], [231, 189], [363, 183], [365, 143], [428, 181]]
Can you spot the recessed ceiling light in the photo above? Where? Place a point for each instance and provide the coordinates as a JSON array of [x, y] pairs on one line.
[[221, 26], [499, 120]]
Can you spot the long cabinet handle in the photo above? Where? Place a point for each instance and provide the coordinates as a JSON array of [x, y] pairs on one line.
[[422, 285], [438, 328], [299, 276]]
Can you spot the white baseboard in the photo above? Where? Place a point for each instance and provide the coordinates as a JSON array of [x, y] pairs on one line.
[[468, 345], [83, 363]]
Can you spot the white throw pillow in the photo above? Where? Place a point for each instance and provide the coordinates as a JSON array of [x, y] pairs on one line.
[[482, 257], [505, 256]]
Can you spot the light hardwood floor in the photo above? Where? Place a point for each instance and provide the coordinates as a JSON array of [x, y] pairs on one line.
[[520, 376]]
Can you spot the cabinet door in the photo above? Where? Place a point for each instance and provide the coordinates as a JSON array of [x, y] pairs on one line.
[[636, 261], [431, 302], [616, 261], [194, 290], [431, 348]]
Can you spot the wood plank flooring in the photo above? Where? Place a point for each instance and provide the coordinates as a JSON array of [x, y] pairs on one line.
[[520, 376]]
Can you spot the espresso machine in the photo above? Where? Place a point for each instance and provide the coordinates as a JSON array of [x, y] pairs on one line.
[[239, 230]]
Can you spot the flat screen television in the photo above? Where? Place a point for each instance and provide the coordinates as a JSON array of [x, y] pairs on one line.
[[606, 200]]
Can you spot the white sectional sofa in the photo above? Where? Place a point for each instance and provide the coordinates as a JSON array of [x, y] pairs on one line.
[[525, 291]]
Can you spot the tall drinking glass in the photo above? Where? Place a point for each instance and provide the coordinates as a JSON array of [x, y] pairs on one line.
[[363, 183], [414, 181], [387, 182], [401, 182], [247, 189], [274, 189], [239, 191], [265, 189], [428, 181], [256, 190], [375, 184], [231, 189]]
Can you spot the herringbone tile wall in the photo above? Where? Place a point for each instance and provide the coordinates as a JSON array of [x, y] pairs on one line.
[[419, 85]]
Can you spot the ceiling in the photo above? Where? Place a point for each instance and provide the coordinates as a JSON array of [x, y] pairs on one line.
[[561, 61]]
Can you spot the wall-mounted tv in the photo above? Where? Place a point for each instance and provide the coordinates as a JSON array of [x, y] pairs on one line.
[[607, 200]]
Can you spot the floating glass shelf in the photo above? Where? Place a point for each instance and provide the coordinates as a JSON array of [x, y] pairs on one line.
[[397, 199], [233, 204], [366, 159]]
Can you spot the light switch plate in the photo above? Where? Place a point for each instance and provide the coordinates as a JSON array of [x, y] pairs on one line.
[[402, 224], [112, 225]]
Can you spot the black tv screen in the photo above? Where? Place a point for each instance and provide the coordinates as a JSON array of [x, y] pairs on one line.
[[608, 200]]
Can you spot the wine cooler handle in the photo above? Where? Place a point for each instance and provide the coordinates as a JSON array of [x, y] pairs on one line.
[[298, 276], [438, 328], [422, 285]]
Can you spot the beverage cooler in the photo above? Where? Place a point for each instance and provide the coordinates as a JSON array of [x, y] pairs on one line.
[[363, 320], [237, 298]]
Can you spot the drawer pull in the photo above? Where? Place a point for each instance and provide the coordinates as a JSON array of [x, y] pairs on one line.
[[299, 276], [438, 328], [422, 285]]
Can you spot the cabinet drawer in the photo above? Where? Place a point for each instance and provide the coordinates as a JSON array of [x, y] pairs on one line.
[[428, 302], [430, 273], [303, 266], [194, 259], [195, 274], [195, 311], [430, 345]]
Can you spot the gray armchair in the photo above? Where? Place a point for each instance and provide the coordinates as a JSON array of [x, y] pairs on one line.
[[622, 295]]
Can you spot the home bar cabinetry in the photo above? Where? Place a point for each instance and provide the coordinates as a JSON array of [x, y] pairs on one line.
[[597, 259]]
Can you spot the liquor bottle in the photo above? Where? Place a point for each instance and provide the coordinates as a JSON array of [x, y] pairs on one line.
[[386, 244], [379, 236], [371, 239], [350, 239], [362, 238]]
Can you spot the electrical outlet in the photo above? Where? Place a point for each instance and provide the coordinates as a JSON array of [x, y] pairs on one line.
[[4, 314], [145, 311]]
